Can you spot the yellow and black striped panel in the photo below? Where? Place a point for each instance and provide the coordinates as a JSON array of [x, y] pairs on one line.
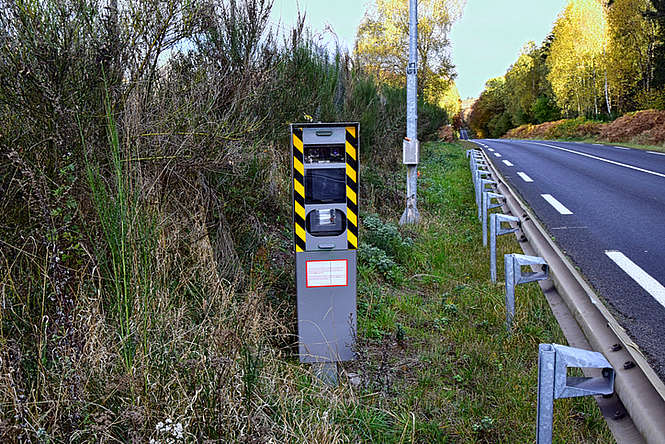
[[352, 186], [298, 190]]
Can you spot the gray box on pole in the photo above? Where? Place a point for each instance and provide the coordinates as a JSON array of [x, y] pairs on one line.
[[325, 216], [410, 152]]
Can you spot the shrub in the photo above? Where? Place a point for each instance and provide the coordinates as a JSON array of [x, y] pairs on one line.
[[384, 235]]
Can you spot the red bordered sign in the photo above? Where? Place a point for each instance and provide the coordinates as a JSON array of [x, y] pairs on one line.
[[333, 273]]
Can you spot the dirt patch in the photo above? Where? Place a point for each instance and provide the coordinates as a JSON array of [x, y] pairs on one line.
[[642, 127], [645, 127], [446, 134]]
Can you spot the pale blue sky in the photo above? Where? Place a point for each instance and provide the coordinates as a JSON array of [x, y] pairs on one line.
[[486, 41]]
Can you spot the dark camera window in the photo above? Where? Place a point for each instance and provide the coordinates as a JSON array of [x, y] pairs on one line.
[[325, 186], [326, 222]]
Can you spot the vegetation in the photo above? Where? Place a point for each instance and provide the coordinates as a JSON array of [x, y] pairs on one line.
[[601, 60], [641, 129], [146, 270], [436, 362], [382, 46]]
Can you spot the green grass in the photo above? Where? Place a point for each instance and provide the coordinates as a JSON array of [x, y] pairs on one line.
[[436, 363], [658, 148], [130, 235], [636, 146]]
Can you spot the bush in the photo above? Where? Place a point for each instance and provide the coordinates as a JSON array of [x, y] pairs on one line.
[[384, 235], [642, 127]]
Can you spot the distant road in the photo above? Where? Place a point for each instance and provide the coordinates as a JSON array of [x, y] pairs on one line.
[[605, 207]]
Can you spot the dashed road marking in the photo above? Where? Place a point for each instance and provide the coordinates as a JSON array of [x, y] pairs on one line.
[[644, 279], [524, 177], [490, 149], [656, 152], [621, 148], [508, 163], [603, 159], [497, 154], [556, 204]]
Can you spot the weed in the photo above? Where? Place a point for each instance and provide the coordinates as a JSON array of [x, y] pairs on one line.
[[486, 423]]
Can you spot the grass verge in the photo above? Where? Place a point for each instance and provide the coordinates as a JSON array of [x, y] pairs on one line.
[[636, 146]]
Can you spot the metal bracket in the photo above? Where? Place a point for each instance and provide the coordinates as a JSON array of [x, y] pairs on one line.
[[478, 174], [513, 264], [488, 205], [476, 161], [412, 68], [497, 230], [554, 383], [481, 189]]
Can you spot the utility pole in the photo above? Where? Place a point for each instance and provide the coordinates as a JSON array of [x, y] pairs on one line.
[[411, 144]]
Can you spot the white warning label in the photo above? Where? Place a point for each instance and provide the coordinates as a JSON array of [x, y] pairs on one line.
[[327, 273]]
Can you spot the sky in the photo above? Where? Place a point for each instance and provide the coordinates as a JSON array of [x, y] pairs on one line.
[[485, 42], [490, 35], [343, 16]]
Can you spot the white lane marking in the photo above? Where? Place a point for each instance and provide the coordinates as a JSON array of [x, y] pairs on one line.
[[652, 286], [625, 165], [497, 154], [656, 152], [508, 163], [621, 148], [556, 204], [524, 177], [490, 149], [599, 144]]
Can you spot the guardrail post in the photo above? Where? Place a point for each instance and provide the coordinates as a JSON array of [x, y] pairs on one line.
[[483, 183], [478, 175], [488, 205], [513, 264], [497, 230], [477, 162], [553, 382]]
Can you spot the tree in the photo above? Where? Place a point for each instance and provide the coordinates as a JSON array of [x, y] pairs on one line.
[[451, 100], [526, 82], [382, 43], [656, 16], [630, 53], [489, 117], [576, 59]]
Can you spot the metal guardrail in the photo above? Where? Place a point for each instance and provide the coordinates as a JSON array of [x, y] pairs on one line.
[[488, 205], [477, 177], [482, 184], [513, 264], [554, 382], [586, 320], [496, 229]]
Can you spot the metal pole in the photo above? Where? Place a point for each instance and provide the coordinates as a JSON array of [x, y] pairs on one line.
[[509, 266], [411, 215], [493, 234], [545, 406], [486, 204]]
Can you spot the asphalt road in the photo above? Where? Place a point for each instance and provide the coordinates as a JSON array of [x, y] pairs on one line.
[[605, 207]]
